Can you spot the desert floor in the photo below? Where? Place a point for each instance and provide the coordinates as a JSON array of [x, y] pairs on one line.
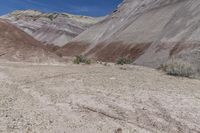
[[67, 98]]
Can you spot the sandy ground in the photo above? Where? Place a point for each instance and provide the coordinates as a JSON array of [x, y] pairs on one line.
[[96, 99]]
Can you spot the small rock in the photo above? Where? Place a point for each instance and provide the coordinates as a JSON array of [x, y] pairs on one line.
[[119, 130]]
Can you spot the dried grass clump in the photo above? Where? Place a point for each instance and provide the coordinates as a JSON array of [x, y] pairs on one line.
[[179, 68], [123, 61], [81, 59]]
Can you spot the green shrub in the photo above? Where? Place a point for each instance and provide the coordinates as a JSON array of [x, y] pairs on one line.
[[87, 61], [78, 59], [178, 68], [81, 59], [122, 61], [52, 16]]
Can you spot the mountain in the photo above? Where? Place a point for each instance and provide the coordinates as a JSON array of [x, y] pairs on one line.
[[50, 28], [16, 45], [149, 32]]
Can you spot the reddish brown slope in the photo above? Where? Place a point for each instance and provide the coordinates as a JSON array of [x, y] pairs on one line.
[[16, 45]]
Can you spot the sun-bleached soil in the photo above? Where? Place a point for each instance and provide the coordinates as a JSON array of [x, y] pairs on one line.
[[96, 99]]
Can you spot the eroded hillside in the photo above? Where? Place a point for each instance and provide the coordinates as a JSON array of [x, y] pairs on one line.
[[51, 28], [16, 45], [149, 32]]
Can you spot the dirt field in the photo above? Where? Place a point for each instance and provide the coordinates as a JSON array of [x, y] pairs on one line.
[[96, 99]]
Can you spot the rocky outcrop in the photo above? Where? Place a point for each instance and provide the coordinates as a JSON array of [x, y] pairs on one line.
[[50, 28], [16, 45], [150, 32]]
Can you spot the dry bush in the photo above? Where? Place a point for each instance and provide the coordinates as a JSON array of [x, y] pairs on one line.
[[123, 61], [81, 59], [179, 68]]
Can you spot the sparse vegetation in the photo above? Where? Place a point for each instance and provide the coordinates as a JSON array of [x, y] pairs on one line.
[[179, 68], [52, 16], [81, 59], [123, 61]]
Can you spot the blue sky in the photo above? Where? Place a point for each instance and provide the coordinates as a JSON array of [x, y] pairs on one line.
[[82, 7]]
